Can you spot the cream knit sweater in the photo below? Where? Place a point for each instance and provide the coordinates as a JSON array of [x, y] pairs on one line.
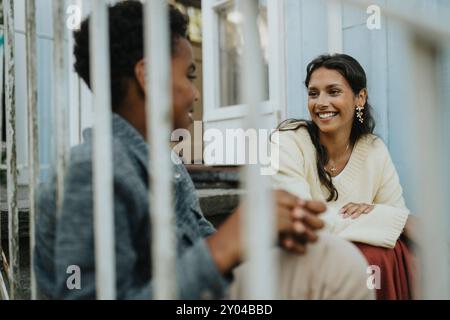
[[369, 177]]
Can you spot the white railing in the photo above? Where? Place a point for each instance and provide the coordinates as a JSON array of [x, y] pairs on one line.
[[159, 115], [11, 155], [59, 98], [430, 187], [105, 262], [258, 221], [33, 133]]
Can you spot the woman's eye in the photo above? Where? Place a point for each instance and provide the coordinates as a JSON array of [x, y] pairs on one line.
[[312, 94], [335, 92], [192, 77]]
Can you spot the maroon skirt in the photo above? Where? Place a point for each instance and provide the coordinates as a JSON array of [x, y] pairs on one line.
[[397, 268]]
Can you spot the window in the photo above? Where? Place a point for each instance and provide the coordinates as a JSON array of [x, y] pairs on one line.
[[222, 52], [230, 52]]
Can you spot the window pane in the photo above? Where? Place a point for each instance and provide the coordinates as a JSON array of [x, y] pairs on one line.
[[230, 53]]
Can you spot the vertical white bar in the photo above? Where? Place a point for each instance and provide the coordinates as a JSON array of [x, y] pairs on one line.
[[85, 94], [105, 262], [258, 219], [429, 157], [2, 48], [60, 103], [277, 59], [159, 115], [2, 70], [33, 134], [11, 154], [3, 290], [75, 10], [335, 36]]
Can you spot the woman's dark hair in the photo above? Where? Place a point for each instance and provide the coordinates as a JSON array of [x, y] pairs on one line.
[[126, 44], [354, 73]]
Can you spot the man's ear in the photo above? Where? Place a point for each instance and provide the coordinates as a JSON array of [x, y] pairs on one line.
[[140, 73]]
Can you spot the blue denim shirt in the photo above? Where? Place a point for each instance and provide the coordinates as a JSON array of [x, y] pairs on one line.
[[69, 240]]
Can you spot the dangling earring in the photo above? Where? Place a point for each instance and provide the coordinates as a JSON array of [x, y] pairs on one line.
[[359, 114]]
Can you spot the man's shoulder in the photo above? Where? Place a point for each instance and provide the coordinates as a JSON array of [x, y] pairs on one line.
[[82, 155], [84, 152]]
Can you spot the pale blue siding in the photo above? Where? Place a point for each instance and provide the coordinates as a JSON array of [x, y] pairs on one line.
[[384, 55], [45, 74]]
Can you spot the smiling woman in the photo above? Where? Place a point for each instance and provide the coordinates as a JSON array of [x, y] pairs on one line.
[[335, 157], [337, 95]]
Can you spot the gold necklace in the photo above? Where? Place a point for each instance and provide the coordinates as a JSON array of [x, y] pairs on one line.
[[333, 168]]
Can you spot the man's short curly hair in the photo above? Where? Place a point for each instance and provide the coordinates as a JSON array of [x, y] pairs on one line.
[[126, 44]]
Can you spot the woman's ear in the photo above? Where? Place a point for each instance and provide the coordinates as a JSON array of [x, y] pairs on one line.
[[140, 73], [361, 99]]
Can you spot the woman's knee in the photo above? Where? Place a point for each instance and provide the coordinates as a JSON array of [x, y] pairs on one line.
[[345, 268], [332, 268]]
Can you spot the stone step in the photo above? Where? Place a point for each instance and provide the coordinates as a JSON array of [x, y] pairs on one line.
[[216, 187], [205, 177], [23, 207], [217, 204]]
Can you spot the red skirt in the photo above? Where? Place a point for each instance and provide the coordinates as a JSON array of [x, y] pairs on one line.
[[397, 268]]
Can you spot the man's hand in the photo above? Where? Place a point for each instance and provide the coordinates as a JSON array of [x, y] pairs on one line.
[[297, 221]]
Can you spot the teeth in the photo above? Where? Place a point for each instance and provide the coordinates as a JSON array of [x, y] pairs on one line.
[[327, 115]]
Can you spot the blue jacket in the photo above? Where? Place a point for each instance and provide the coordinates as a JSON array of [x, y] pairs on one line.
[[69, 240]]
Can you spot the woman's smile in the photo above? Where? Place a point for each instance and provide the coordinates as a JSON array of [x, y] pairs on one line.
[[326, 116]]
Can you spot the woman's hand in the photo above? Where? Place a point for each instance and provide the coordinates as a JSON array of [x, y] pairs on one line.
[[354, 210]]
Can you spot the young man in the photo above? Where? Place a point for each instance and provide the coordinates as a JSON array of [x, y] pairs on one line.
[[206, 257]]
